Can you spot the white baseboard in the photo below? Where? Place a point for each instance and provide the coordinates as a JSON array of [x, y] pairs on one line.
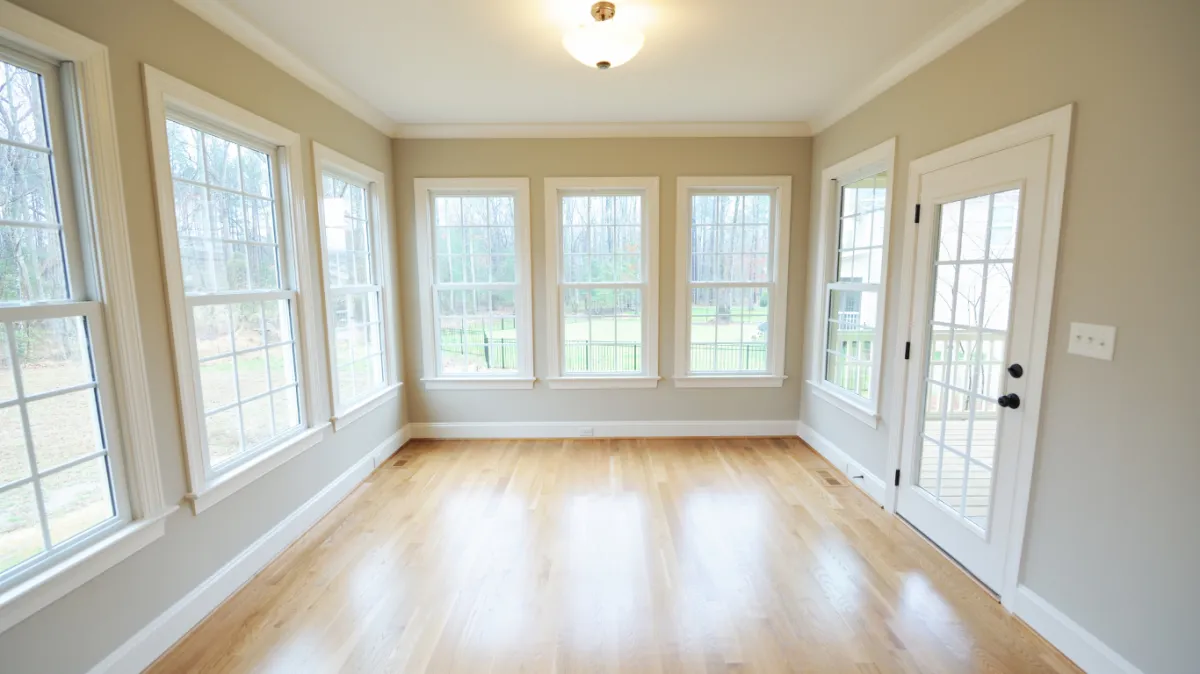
[[1078, 644], [604, 429], [157, 637], [853, 470]]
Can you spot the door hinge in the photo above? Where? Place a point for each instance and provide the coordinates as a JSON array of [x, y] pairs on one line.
[[897, 477], [907, 349], [917, 217]]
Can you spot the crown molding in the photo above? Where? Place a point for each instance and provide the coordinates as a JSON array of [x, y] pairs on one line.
[[229, 21], [607, 130], [953, 33]]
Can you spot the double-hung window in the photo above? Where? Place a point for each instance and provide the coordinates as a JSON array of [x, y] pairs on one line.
[[476, 297], [226, 184], [355, 254], [853, 263], [602, 283], [59, 480], [731, 290], [79, 482]]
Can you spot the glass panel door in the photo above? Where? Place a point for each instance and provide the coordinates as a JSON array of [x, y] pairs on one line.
[[972, 287]]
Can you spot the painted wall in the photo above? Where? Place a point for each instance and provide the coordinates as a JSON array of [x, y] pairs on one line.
[[83, 627], [666, 158], [1112, 541]]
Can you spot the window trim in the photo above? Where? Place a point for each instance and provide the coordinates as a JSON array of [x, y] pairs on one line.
[[382, 257], [162, 92], [100, 201], [780, 253], [424, 190], [649, 377], [879, 158]]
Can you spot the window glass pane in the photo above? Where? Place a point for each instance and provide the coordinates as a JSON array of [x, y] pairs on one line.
[[27, 188], [602, 239], [20, 528], [78, 499], [851, 337], [224, 432], [602, 329], [64, 428], [731, 250], [22, 118], [53, 354], [347, 233], [860, 254], [246, 353], [729, 329], [228, 239], [14, 459], [358, 339], [477, 331], [221, 164], [32, 264]]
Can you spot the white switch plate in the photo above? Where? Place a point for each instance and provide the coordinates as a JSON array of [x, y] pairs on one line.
[[1092, 341]]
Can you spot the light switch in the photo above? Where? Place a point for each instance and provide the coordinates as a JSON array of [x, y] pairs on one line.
[[1092, 341]]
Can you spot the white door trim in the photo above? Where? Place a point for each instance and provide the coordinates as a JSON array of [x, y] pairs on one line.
[[1056, 125]]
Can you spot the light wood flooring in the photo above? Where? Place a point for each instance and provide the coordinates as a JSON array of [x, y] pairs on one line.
[[663, 555]]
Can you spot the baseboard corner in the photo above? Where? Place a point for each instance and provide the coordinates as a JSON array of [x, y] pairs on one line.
[[854, 471]]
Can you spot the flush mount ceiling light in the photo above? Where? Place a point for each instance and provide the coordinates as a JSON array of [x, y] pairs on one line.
[[603, 43]]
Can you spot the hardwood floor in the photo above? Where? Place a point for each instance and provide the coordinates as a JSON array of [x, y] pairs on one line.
[[610, 556]]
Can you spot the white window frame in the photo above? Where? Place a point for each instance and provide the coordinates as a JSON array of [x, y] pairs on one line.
[[555, 189], [326, 160], [425, 189], [780, 188], [878, 159], [100, 203], [165, 92]]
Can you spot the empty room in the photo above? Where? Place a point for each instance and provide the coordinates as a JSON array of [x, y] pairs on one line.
[[557, 336]]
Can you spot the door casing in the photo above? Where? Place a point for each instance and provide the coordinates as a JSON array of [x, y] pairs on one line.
[[1055, 125]]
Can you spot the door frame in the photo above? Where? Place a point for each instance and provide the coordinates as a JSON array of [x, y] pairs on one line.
[[1056, 125]]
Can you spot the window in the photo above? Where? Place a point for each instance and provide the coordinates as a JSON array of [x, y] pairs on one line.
[[476, 297], [853, 264], [58, 478], [79, 479], [731, 290], [232, 282], [602, 261], [353, 238]]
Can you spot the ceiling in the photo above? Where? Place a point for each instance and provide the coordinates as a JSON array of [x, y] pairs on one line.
[[450, 62]]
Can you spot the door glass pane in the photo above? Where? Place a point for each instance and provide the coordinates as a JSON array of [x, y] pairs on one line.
[[971, 295]]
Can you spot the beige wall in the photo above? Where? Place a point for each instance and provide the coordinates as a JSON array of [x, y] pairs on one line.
[[1112, 541], [662, 157], [79, 630]]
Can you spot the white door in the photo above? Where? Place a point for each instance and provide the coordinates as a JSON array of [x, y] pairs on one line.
[[975, 290]]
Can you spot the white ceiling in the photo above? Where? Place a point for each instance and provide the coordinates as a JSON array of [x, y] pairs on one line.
[[488, 62]]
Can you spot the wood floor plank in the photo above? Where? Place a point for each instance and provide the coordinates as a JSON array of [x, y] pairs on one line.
[[664, 556]]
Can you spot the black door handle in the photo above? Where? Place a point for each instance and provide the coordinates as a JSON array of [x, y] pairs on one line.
[[1010, 400], [1016, 370]]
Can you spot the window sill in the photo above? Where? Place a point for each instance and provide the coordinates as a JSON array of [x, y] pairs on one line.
[[365, 407], [854, 409], [477, 383], [602, 382], [730, 381], [230, 483], [27, 598]]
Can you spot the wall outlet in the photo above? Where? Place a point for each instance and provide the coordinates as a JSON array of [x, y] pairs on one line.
[[587, 432], [1092, 341]]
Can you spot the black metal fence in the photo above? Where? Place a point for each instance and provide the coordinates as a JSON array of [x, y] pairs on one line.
[[588, 356]]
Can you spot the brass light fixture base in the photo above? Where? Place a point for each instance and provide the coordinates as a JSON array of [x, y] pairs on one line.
[[603, 11]]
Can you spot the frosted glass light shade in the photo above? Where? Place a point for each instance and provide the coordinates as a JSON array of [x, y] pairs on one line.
[[603, 44]]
